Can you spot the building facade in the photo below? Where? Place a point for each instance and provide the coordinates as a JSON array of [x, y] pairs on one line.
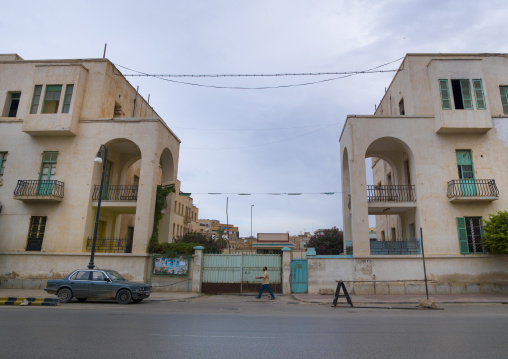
[[439, 143], [56, 116]]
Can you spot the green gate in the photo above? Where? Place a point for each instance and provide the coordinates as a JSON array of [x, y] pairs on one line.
[[236, 273]]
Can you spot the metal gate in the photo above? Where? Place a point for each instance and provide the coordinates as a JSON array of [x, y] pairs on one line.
[[236, 273], [299, 282]]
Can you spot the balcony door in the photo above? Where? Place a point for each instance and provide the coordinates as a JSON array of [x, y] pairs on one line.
[[47, 173], [466, 172]]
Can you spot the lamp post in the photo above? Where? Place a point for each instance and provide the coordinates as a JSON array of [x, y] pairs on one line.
[[251, 219], [98, 159]]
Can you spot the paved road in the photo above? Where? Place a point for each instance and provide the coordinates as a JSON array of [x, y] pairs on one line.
[[210, 327]]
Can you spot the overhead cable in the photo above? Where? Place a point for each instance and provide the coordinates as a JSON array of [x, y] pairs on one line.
[[343, 75]]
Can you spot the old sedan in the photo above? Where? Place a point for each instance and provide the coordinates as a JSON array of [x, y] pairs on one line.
[[97, 283]]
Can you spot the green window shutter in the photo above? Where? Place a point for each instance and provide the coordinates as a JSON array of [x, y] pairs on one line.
[[478, 94], [466, 94], [445, 95], [504, 98], [67, 98], [36, 99], [461, 229]]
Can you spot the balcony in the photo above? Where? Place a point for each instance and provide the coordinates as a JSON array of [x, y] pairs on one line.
[[469, 190], [39, 190], [110, 245], [116, 193], [390, 199]]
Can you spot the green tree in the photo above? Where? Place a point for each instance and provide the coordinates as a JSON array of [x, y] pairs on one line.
[[495, 237], [327, 241], [198, 239]]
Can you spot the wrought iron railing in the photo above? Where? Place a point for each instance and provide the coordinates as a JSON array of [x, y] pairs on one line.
[[116, 193], [110, 245], [39, 188], [392, 193], [400, 247], [472, 188]]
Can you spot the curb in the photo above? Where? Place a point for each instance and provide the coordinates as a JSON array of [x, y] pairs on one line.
[[29, 301]]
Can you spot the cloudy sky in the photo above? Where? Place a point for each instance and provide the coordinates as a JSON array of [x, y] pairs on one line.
[[258, 141]]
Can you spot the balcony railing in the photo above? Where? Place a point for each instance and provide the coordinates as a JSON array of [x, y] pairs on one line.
[[116, 193], [467, 188], [391, 193], [402, 247], [110, 245], [34, 189]]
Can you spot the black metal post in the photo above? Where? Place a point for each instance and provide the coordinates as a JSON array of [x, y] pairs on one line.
[[424, 269], [94, 240]]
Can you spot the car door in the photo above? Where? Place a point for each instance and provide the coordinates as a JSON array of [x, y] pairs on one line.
[[99, 286], [79, 283]]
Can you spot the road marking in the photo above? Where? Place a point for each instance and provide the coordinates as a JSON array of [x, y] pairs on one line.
[[212, 336]]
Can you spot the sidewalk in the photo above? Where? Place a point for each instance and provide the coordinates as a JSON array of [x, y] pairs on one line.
[[300, 297], [403, 299]]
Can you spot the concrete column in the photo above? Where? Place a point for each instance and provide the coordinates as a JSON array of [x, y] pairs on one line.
[[286, 270], [197, 262]]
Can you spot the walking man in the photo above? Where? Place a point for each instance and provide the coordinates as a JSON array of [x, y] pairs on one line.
[[265, 284]]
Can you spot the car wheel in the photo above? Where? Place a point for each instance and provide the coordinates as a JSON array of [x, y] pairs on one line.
[[124, 297], [137, 300], [81, 299], [65, 295]]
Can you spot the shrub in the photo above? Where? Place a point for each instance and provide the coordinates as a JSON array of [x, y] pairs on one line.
[[327, 241], [495, 238]]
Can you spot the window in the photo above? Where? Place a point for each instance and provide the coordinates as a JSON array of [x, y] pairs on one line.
[[445, 95], [12, 104], [36, 99], [3, 157], [48, 166], [67, 98], [478, 94], [462, 95], [52, 99], [82, 275], [98, 276], [401, 107], [36, 233], [462, 98], [504, 98], [47, 174], [117, 112], [470, 234]]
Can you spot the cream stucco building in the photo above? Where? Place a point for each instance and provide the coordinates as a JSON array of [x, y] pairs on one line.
[[56, 114], [439, 145]]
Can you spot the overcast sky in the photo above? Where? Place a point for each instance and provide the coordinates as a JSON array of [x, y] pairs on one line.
[[277, 140]]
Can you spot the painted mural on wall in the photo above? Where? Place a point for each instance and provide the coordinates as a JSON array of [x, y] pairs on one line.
[[171, 266]]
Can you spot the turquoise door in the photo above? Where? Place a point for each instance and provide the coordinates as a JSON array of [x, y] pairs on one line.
[[466, 173], [299, 276]]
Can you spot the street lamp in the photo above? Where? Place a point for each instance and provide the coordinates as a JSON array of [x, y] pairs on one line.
[[251, 219], [98, 159]]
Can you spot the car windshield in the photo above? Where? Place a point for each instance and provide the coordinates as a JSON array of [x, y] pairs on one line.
[[114, 275]]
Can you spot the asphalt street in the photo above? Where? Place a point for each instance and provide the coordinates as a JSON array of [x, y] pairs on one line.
[[212, 327]]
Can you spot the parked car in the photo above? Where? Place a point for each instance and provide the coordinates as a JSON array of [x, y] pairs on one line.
[[98, 283]]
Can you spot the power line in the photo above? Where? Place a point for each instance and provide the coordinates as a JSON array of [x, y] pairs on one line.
[[344, 75]]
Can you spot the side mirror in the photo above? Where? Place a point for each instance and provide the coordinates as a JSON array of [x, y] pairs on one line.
[[107, 279]]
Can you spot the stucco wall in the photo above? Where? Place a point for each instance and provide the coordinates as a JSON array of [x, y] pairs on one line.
[[404, 275]]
